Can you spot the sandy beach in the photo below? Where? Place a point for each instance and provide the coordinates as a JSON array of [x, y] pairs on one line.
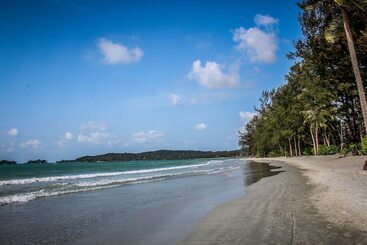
[[316, 200]]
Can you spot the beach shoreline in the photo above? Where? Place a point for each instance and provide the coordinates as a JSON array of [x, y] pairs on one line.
[[317, 200]]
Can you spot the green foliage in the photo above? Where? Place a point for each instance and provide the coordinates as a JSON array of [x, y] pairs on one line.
[[274, 153], [308, 151], [319, 103], [328, 150], [364, 145], [354, 149]]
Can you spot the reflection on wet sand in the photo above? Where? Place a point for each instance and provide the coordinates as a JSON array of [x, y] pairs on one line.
[[254, 171]]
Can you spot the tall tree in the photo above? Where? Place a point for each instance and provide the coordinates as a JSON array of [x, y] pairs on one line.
[[344, 6]]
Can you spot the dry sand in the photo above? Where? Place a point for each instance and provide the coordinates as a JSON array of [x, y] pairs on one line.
[[317, 200]]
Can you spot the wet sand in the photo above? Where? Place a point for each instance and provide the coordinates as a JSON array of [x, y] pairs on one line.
[[293, 207]]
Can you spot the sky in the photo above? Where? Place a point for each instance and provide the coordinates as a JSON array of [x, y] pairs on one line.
[[90, 77]]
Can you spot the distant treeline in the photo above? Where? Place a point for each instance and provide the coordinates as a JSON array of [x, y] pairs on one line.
[[3, 162], [155, 155], [38, 161]]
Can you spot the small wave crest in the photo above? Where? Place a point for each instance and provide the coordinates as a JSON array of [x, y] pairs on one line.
[[94, 175], [89, 186]]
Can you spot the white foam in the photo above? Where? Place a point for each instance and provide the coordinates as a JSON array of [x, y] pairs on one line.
[[88, 176], [91, 184], [25, 197], [105, 182]]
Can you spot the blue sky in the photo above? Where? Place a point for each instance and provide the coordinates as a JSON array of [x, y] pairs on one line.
[[90, 77]]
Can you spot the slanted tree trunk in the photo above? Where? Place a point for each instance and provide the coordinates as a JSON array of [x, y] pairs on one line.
[[356, 70], [326, 138]]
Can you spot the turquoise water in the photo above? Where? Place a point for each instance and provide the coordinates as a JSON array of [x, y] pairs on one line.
[[148, 202], [42, 170], [23, 183]]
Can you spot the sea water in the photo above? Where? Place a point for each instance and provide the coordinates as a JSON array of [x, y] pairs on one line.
[[142, 202]]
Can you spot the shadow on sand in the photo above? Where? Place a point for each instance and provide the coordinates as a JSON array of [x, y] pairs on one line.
[[254, 171]]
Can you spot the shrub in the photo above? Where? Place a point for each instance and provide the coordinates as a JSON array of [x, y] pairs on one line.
[[355, 149], [308, 151], [328, 150], [274, 154], [344, 151], [364, 145]]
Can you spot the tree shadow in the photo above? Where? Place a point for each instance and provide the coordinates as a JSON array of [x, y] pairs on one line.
[[254, 171]]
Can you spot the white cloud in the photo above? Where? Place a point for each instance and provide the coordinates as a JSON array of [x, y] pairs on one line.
[[13, 132], [246, 116], [149, 136], [201, 126], [265, 20], [95, 133], [174, 98], [68, 136], [114, 53], [34, 143], [212, 76], [96, 137], [260, 45]]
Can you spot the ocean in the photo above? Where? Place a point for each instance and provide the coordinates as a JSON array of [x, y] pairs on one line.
[[142, 202]]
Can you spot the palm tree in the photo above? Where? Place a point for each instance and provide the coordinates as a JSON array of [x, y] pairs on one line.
[[316, 119], [329, 35], [354, 60]]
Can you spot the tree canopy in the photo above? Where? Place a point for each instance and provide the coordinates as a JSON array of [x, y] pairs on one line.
[[318, 109]]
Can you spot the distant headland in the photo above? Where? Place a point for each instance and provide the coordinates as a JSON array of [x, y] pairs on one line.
[[155, 155]]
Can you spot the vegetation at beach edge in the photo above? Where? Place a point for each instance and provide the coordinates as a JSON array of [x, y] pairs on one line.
[[321, 109]]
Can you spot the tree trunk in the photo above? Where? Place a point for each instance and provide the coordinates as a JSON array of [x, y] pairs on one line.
[[341, 136], [299, 147], [326, 138], [357, 72], [284, 146], [313, 141], [295, 146], [290, 147], [317, 139]]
